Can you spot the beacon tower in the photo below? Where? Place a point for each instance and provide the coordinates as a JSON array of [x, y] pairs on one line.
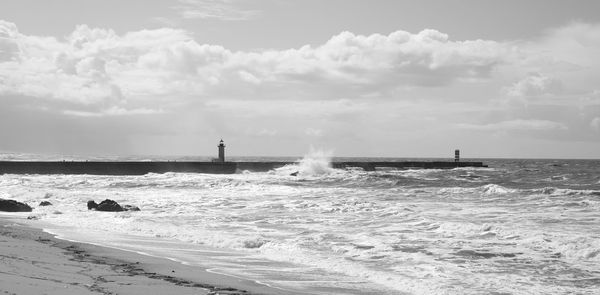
[[221, 147]]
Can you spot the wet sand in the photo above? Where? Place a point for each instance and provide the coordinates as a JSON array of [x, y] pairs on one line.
[[35, 262]]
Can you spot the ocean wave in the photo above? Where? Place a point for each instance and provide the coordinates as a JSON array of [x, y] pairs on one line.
[[564, 191], [340, 264], [315, 163], [485, 190], [471, 231], [494, 189], [579, 249]]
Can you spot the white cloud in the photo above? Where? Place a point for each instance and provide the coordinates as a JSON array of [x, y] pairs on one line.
[[517, 125], [535, 84], [94, 67], [9, 46], [102, 69], [573, 43], [249, 77], [113, 111], [567, 55], [227, 10], [400, 58]]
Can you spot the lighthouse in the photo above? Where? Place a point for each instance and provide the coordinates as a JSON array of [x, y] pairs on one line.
[[221, 147]]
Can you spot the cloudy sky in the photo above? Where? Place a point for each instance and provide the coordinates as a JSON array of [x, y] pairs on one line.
[[274, 77]]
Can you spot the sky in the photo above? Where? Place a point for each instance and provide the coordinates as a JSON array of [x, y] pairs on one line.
[[372, 78]]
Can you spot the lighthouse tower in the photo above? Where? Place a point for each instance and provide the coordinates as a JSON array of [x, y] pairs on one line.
[[221, 147]]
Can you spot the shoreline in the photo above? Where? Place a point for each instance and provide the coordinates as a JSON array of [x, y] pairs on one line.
[[39, 262]]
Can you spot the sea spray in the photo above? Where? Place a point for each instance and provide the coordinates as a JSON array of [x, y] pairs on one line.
[[315, 163]]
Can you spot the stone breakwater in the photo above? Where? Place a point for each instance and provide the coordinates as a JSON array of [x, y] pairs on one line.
[[114, 168], [141, 168]]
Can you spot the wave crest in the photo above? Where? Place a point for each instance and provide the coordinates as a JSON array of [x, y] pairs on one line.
[[315, 163]]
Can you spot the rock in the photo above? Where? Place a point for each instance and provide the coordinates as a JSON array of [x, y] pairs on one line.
[[295, 173], [13, 206], [109, 205], [45, 203], [131, 208], [92, 205]]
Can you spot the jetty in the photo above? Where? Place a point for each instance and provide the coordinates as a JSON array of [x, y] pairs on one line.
[[216, 166]]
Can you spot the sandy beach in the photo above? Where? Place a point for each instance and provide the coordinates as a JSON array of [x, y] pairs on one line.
[[35, 262]]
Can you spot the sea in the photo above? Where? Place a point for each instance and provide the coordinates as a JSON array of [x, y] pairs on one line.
[[520, 226]]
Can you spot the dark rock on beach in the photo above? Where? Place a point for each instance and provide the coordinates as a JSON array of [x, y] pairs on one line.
[[45, 203], [13, 206], [110, 206], [91, 205]]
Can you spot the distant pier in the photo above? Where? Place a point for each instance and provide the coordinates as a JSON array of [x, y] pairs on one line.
[[141, 168], [217, 166], [113, 168]]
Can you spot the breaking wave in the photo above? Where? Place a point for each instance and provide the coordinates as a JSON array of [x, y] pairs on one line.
[[315, 163]]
